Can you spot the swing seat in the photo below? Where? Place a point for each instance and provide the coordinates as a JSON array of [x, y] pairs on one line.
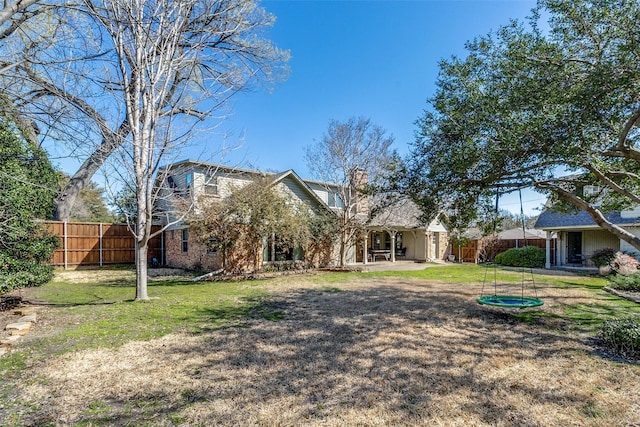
[[509, 301]]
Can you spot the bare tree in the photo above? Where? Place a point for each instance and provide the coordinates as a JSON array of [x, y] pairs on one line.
[[70, 81], [349, 159], [175, 59]]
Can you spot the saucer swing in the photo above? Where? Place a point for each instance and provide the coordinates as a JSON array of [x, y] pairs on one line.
[[510, 300]]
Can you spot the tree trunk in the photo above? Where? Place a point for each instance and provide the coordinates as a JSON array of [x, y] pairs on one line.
[[67, 197], [142, 249], [343, 248]]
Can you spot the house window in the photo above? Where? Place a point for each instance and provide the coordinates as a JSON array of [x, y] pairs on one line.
[[377, 241], [212, 248], [185, 240], [188, 179], [211, 186], [334, 200], [273, 251]]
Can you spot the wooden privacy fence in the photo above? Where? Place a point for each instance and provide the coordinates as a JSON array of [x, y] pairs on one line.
[[98, 244], [474, 251]]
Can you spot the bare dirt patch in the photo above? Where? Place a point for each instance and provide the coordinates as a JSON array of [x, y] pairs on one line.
[[381, 351]]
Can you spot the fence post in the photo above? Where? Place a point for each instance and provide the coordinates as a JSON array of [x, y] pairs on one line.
[[64, 243], [100, 240]]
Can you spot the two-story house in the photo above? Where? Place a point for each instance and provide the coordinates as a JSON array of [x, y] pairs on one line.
[[398, 233]]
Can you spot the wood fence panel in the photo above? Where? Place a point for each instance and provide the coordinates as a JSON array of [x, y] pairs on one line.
[[98, 244], [468, 252]]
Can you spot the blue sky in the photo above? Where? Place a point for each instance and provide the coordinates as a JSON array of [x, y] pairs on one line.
[[377, 59]]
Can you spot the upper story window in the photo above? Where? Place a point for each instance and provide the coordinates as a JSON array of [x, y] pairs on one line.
[[211, 186], [188, 180], [334, 200]]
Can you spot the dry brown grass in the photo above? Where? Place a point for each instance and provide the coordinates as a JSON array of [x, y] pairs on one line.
[[383, 352]]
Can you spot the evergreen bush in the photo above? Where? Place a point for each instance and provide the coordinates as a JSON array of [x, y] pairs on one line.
[[603, 257], [28, 185], [528, 256]]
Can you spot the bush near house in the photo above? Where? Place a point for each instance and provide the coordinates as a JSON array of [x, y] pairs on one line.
[[603, 257], [615, 261], [528, 256]]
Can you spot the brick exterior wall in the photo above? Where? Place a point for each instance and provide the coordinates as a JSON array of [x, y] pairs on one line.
[[196, 257]]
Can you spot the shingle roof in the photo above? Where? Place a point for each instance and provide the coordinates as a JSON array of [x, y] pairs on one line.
[[516, 234], [550, 220]]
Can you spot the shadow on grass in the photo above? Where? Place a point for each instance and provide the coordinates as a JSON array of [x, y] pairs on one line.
[[336, 350]]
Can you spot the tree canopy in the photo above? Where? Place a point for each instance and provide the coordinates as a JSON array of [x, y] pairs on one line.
[[551, 104], [351, 158], [64, 76]]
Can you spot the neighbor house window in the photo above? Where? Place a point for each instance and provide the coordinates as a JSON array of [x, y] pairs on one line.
[[185, 240]]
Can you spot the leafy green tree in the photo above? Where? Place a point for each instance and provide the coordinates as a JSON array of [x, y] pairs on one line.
[[554, 109], [28, 186]]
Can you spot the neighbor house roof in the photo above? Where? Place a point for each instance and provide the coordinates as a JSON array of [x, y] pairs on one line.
[[516, 234], [549, 220]]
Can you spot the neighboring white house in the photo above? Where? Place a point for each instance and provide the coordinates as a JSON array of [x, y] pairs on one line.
[[578, 236], [398, 227]]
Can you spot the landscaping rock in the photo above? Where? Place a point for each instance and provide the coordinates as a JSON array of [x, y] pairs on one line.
[[29, 318], [18, 326], [25, 311], [10, 341]]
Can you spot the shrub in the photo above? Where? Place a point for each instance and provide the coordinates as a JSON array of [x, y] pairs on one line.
[[626, 283], [603, 257], [28, 185], [498, 258], [528, 256], [622, 336]]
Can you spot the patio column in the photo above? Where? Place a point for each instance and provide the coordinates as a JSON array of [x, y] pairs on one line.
[[547, 259], [393, 245], [365, 246], [427, 245]]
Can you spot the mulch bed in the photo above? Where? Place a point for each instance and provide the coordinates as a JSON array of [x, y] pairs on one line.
[[9, 302]]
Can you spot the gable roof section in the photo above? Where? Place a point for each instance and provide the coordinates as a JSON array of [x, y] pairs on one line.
[[549, 220], [275, 177], [403, 213], [290, 174]]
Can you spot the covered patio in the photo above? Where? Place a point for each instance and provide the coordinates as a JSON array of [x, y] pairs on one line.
[[397, 234]]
